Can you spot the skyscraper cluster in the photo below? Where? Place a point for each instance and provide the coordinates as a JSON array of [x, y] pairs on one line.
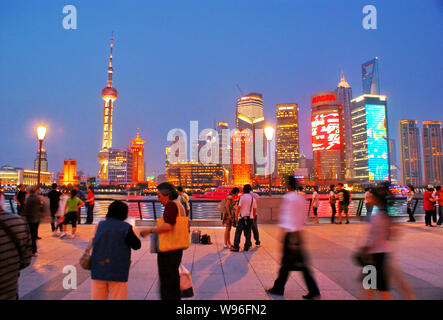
[[417, 170]]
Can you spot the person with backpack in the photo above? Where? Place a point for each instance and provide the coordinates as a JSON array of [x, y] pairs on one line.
[[54, 199], [410, 207], [72, 207], [344, 199], [244, 216], [227, 207], [15, 255], [332, 201], [34, 211]]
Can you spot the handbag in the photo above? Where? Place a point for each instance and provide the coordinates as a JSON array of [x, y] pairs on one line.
[[85, 259], [154, 242], [362, 257], [186, 290], [178, 238]]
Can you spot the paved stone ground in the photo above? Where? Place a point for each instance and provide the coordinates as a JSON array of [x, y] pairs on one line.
[[218, 273]]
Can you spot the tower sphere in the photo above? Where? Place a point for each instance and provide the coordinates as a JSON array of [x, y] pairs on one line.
[[109, 93]]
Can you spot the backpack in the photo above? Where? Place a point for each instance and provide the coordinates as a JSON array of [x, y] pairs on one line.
[[205, 239], [345, 196], [195, 237]]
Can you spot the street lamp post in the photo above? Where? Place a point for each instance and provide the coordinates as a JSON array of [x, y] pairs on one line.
[[269, 133], [41, 132]]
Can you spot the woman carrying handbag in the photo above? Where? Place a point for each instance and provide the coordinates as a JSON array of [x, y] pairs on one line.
[[111, 255], [173, 238]]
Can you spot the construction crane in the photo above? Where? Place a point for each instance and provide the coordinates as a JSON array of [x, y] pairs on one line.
[[239, 89]]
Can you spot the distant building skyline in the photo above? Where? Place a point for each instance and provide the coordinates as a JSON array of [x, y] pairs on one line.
[[410, 153], [432, 152]]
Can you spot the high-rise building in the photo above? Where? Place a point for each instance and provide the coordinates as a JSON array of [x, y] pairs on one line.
[[395, 177], [370, 79], [109, 95], [410, 153], [120, 166], [344, 96], [43, 162], [287, 139], [224, 137], [69, 175], [241, 157], [327, 136], [249, 115], [433, 152], [370, 138], [138, 159]]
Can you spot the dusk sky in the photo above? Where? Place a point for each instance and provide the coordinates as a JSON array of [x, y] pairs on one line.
[[176, 61]]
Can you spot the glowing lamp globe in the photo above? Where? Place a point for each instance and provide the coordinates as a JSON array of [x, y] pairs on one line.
[[41, 132], [269, 133]]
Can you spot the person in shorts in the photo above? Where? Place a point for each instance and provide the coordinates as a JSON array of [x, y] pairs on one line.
[[344, 199], [229, 215], [73, 205]]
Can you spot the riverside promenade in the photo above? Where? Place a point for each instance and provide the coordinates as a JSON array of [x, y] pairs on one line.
[[219, 274]]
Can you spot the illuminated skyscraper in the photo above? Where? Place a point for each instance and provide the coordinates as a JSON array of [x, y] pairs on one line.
[[344, 96], [370, 138], [395, 177], [224, 159], [327, 136], [433, 152], [370, 79], [287, 138], [69, 175], [43, 163], [249, 115], [109, 95], [410, 153], [138, 159], [242, 159], [120, 166]]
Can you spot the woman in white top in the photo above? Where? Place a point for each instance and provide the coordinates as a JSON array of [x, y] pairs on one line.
[[410, 196], [60, 212], [315, 202]]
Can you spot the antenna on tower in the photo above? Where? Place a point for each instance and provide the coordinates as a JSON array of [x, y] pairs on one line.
[[239, 89]]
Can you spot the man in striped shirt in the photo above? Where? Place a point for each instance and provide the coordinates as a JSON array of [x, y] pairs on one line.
[[15, 253]]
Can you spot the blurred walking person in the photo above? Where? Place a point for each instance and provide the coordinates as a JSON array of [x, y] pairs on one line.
[[33, 212], [54, 201], [332, 202], [292, 219], [2, 200], [90, 205], [409, 197], [228, 218], [254, 228], [379, 247], [315, 202], [72, 207], [111, 254], [368, 206], [19, 198], [15, 255]]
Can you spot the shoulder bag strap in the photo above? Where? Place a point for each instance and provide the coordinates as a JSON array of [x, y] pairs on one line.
[[12, 236], [250, 208]]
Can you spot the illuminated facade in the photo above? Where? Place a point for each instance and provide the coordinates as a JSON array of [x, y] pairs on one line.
[[69, 175], [120, 166], [242, 158], [395, 177], [43, 162], [138, 159], [287, 138], [344, 96], [109, 95], [433, 152], [410, 153], [249, 115], [370, 138], [193, 175], [224, 155], [369, 71], [327, 136], [11, 176]]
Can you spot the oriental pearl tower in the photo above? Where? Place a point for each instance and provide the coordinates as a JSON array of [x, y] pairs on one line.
[[109, 94]]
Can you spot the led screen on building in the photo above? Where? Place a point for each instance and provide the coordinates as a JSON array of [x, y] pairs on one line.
[[377, 136], [326, 131]]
